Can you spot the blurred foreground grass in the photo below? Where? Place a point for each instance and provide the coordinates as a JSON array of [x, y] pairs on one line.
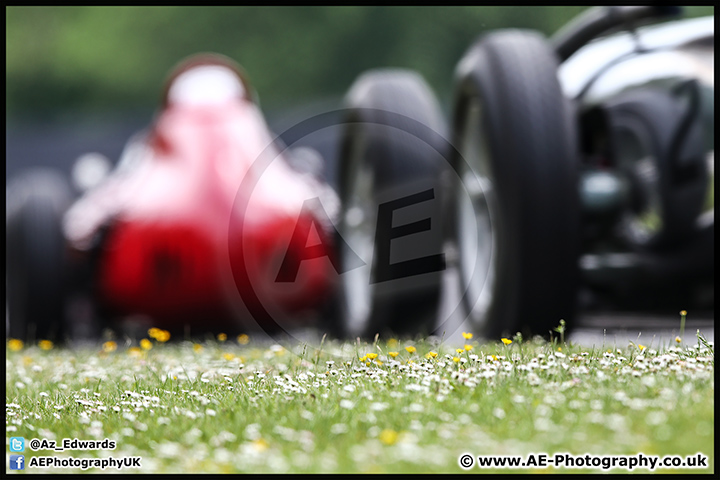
[[230, 405]]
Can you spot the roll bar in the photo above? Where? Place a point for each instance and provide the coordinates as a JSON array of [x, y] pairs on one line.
[[597, 21]]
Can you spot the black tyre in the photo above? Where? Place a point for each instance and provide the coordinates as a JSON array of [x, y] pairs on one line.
[[36, 257], [517, 208], [390, 164]]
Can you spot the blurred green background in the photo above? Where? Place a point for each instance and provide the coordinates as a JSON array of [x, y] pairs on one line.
[[89, 60]]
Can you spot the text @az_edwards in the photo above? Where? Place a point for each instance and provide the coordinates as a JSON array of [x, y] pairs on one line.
[[71, 444]]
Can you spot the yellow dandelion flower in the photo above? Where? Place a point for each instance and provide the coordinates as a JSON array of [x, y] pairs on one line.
[[243, 339], [15, 344], [154, 332], [228, 356], [410, 349], [456, 359], [468, 347], [683, 312], [221, 337], [162, 336], [459, 350], [260, 445], [467, 336], [27, 361], [641, 347], [134, 351], [410, 361], [430, 355], [372, 356], [146, 344], [197, 348], [392, 342], [388, 437], [45, 344], [494, 358], [678, 339], [378, 362], [506, 341], [363, 359], [109, 346], [393, 354], [367, 364], [559, 349]]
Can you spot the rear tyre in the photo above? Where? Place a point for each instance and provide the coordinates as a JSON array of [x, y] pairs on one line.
[[392, 156], [37, 273]]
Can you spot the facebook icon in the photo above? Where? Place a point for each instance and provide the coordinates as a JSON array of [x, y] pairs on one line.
[[17, 462]]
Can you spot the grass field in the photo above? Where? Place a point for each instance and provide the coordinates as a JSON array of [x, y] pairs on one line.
[[231, 405]]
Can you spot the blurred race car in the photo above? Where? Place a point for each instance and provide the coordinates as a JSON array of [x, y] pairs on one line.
[[192, 231], [575, 172]]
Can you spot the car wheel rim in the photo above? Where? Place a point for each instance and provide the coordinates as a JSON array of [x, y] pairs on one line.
[[477, 237], [359, 218]]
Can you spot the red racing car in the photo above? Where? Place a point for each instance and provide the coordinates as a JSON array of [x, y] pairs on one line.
[[208, 223]]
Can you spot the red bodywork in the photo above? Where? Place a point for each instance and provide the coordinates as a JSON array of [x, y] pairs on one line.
[[166, 251]]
